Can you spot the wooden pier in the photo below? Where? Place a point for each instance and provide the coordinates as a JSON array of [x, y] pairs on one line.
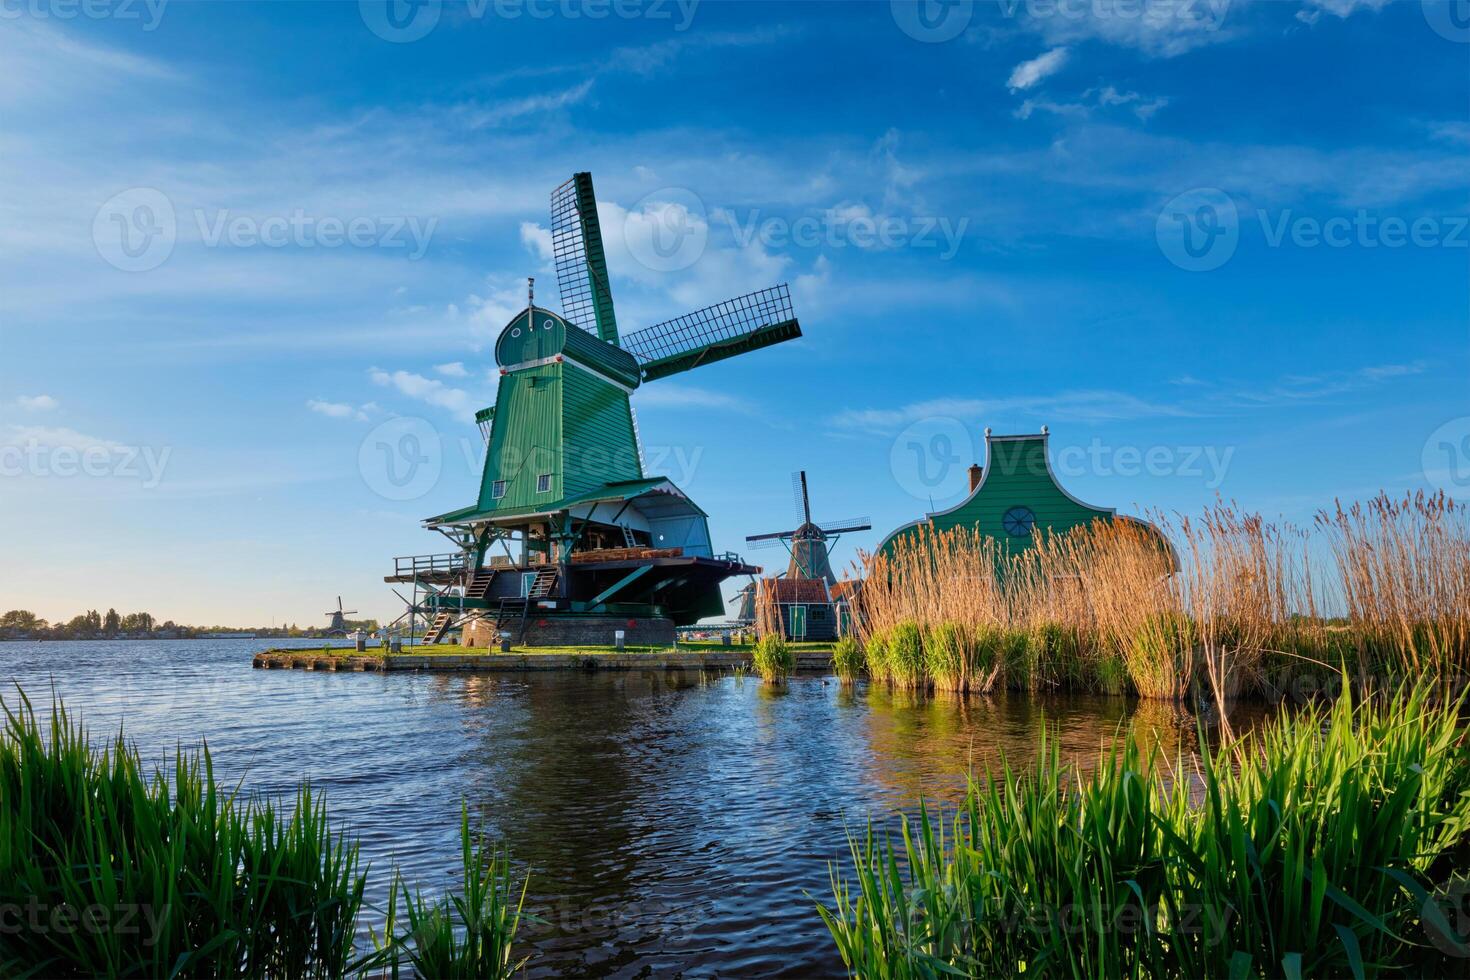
[[713, 659]]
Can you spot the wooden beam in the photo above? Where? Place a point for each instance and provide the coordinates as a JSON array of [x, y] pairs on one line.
[[620, 584]]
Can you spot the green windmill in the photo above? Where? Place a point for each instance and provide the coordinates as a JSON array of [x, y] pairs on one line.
[[570, 538]]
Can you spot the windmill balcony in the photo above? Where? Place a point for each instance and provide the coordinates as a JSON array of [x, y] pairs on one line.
[[428, 567]]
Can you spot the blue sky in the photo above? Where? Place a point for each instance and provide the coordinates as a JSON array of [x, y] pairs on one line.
[[982, 212]]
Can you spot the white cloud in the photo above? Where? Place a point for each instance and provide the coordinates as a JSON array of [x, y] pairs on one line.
[[1105, 97], [454, 369], [1203, 398], [1088, 406], [429, 390], [1143, 106], [337, 410], [1032, 106], [1161, 30], [56, 437], [1339, 8], [37, 403], [1028, 73], [537, 240], [664, 395], [473, 116], [502, 300]]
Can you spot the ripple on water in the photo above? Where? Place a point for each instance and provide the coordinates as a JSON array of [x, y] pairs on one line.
[[672, 824]]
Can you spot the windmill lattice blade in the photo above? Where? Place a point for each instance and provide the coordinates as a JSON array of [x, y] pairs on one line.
[[581, 266], [845, 530], [726, 329], [764, 542], [847, 524], [798, 493]]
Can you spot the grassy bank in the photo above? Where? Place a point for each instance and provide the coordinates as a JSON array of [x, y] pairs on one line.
[[1377, 590], [1330, 844], [107, 869]]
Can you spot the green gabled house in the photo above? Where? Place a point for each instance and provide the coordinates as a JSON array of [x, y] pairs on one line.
[[1013, 494]]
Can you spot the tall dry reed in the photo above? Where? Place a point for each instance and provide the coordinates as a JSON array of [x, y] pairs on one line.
[[1233, 604]]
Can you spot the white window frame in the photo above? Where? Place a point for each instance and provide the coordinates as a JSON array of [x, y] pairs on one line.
[[543, 483], [497, 489]]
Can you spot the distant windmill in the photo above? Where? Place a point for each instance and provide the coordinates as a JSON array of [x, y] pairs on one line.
[[745, 612], [799, 603], [809, 543], [339, 616]]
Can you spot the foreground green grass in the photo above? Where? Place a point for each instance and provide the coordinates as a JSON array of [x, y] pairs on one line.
[[109, 870], [1331, 844]]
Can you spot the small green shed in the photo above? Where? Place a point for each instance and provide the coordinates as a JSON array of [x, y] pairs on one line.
[[1012, 494]]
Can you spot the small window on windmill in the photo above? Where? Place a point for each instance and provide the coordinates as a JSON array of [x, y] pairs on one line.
[[543, 483], [497, 489]]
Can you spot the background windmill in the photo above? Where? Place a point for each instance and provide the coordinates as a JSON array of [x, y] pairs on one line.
[[800, 603], [809, 543], [338, 626], [592, 543]]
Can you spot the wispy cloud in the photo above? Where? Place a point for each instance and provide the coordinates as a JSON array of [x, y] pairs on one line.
[[36, 403], [665, 395], [428, 390], [1200, 398], [476, 115], [454, 369], [57, 437], [337, 410], [1160, 30], [1088, 406], [1029, 73]]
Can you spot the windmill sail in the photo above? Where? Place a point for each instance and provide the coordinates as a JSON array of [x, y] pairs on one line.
[[581, 264], [726, 329]]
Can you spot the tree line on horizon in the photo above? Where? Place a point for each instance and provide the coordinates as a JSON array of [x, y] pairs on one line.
[[92, 625]]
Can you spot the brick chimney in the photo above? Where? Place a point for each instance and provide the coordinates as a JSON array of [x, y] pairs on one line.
[[977, 472]]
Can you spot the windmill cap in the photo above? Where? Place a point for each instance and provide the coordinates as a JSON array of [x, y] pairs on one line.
[[537, 336]]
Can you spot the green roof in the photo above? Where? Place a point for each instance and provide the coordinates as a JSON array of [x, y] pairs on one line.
[[1017, 491], [621, 490]]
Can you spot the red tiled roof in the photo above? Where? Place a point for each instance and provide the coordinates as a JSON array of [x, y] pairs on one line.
[[802, 590]]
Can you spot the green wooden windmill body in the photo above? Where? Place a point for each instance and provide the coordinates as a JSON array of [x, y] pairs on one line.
[[563, 469]]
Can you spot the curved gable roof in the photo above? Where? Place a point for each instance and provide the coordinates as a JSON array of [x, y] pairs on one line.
[[1017, 473]]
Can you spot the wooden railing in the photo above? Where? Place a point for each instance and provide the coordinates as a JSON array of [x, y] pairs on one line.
[[429, 564]]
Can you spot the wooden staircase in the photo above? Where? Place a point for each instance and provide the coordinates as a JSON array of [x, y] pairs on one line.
[[438, 628], [519, 607], [542, 585], [477, 587]]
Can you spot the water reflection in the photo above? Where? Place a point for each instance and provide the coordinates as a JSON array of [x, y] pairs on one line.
[[672, 822]]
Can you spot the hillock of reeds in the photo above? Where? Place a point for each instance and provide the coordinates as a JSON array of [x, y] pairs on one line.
[[1330, 844], [116, 871], [1235, 606]]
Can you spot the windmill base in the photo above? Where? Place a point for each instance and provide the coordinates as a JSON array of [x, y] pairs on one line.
[[568, 630]]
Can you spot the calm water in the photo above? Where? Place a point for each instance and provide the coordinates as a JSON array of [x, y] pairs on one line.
[[672, 824]]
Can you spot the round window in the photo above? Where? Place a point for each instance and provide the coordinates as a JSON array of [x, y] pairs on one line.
[[515, 331], [545, 324], [1018, 522]]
